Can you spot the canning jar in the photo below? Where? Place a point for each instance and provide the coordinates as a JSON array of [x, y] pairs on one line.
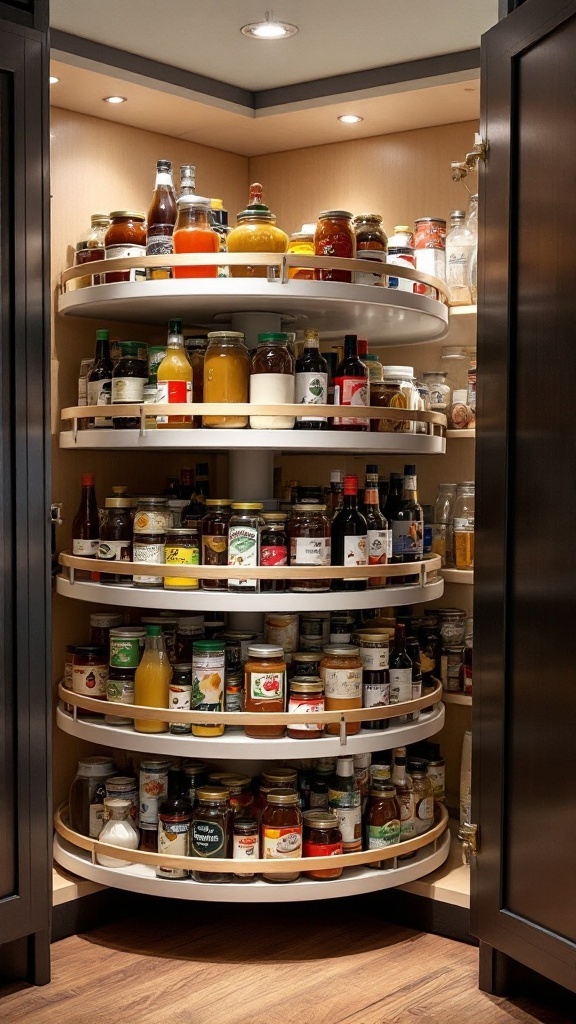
[[274, 548], [193, 233], [182, 548], [119, 690], [245, 844], [396, 391], [195, 347], [90, 671], [211, 829], [92, 248], [452, 625], [305, 664], [272, 380], [281, 831], [153, 787], [244, 542], [87, 793], [306, 694], [463, 526], [208, 683], [309, 539], [321, 838], [302, 243], [281, 628], [116, 538], [255, 231], [264, 687], [226, 375], [341, 673], [382, 821], [334, 236], [214, 539], [128, 379], [126, 236], [100, 625], [371, 244]]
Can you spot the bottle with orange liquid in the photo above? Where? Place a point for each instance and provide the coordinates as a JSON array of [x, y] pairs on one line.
[[194, 233], [174, 377], [151, 680]]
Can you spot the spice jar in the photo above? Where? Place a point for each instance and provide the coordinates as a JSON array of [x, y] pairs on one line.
[[439, 391], [371, 244], [264, 686], [382, 821], [211, 830], [272, 380], [126, 236], [193, 233], [341, 674], [208, 683], [273, 548], [255, 231], [309, 540], [148, 837], [119, 690], [306, 694], [315, 626], [244, 542], [281, 831], [182, 548], [87, 793], [116, 539], [321, 838], [226, 376], [334, 236], [234, 691], [245, 844], [214, 539], [125, 786], [302, 244], [128, 379]]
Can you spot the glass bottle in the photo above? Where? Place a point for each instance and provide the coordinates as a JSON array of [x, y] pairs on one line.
[[119, 830], [187, 180], [349, 537], [272, 380], [194, 233], [211, 829], [401, 253], [463, 526], [405, 796], [226, 375], [255, 231], [219, 217], [345, 801], [413, 652], [407, 524], [423, 795], [92, 248], [459, 247], [281, 831], [302, 244], [161, 220], [472, 227], [99, 378], [371, 244], [351, 386], [151, 680], [334, 236], [336, 491], [128, 379], [174, 820], [442, 536], [86, 526], [274, 548], [378, 533], [116, 538], [174, 377], [382, 821], [311, 383], [400, 671]]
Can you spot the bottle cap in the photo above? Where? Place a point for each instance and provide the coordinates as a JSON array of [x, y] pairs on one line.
[[102, 335], [153, 630], [350, 485], [87, 480], [410, 470]]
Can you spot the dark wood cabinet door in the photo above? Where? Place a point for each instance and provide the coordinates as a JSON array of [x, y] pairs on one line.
[[524, 884]]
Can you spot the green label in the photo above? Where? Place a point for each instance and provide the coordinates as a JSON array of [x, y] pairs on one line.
[[207, 838], [344, 798], [383, 835]]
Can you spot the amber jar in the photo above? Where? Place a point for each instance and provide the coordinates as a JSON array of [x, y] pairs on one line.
[[226, 375], [371, 244], [195, 347], [321, 838], [306, 694], [309, 544], [264, 687], [116, 538], [334, 236], [214, 539], [389, 395], [255, 231], [382, 821], [126, 236], [211, 829], [302, 243], [241, 795], [281, 831], [273, 548], [341, 673], [305, 664]]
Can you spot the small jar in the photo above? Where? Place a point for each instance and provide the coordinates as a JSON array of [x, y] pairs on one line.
[[116, 538], [126, 787], [321, 838], [371, 244], [182, 548], [118, 830], [397, 391], [374, 649], [244, 542], [382, 821], [245, 844], [193, 233], [214, 539], [315, 626], [128, 379], [87, 793], [90, 671], [306, 694], [452, 625], [149, 547], [341, 674], [234, 692], [341, 628], [126, 236], [281, 831], [309, 544], [100, 625], [126, 646], [436, 771], [120, 690], [439, 391], [282, 628], [264, 687], [180, 697], [226, 376], [152, 787], [174, 817], [211, 830], [194, 775], [273, 548], [334, 236], [305, 664], [375, 369], [208, 683], [241, 795], [148, 837], [451, 661], [92, 248], [237, 642], [301, 243], [272, 380], [188, 630], [151, 515], [255, 231]]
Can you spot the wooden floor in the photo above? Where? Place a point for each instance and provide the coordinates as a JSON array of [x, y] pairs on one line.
[[331, 963]]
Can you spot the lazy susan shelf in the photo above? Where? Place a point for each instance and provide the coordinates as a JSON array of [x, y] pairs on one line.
[[465, 576]]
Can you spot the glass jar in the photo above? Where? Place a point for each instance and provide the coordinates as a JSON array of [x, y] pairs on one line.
[[382, 821], [341, 627], [128, 379], [371, 244], [341, 674], [214, 539], [119, 690], [116, 539], [442, 531], [281, 831], [208, 683], [460, 415], [237, 642], [255, 231], [463, 526], [334, 236], [180, 697], [87, 793], [439, 390], [148, 837], [100, 625], [272, 380], [195, 347], [305, 664], [211, 830], [241, 795], [281, 628], [125, 786], [245, 844], [195, 774], [118, 830], [374, 367], [309, 541], [126, 236], [174, 817], [452, 625], [92, 248], [301, 243], [423, 796], [152, 515], [396, 391], [149, 547], [152, 788], [274, 548], [321, 838], [315, 628], [90, 671], [264, 687], [126, 646], [226, 375], [189, 628], [182, 548], [234, 691], [244, 542], [193, 233], [306, 694]]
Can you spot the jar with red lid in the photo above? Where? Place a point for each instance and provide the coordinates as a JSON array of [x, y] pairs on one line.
[[126, 236], [334, 236], [309, 544], [321, 838], [306, 694], [281, 831]]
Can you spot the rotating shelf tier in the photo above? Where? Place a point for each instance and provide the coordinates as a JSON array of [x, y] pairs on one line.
[[465, 576]]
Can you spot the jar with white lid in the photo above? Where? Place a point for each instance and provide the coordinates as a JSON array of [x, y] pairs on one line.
[[403, 378], [440, 391]]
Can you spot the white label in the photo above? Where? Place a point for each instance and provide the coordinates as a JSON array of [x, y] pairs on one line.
[[374, 659], [377, 547], [425, 815], [271, 389], [148, 553], [243, 543], [464, 525], [151, 522], [375, 695], [311, 389], [388, 545], [245, 847], [90, 680], [179, 697], [400, 685], [280, 842], [127, 389], [355, 550], [310, 551], [295, 704], [343, 683], [370, 254], [118, 251], [97, 393], [95, 820], [85, 548], [114, 550], [405, 800], [158, 243], [405, 260]]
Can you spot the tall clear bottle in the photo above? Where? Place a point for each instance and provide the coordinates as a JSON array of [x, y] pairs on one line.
[[379, 539], [463, 526], [151, 680], [187, 180], [161, 220], [311, 383], [174, 377], [459, 247]]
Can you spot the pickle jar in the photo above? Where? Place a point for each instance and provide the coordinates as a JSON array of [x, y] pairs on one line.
[[255, 231], [309, 544], [341, 674], [321, 838], [281, 831], [334, 236], [226, 376]]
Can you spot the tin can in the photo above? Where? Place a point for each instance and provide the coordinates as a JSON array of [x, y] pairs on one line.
[[180, 697], [126, 646], [153, 788]]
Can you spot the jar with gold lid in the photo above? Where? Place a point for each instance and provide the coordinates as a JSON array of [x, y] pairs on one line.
[[226, 375], [306, 694], [302, 243], [255, 231], [281, 831], [341, 673]]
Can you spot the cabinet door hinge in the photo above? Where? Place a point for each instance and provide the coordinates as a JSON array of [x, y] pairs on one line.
[[469, 837]]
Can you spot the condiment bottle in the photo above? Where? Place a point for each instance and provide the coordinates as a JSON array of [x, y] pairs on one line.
[[86, 526], [161, 220], [128, 379], [272, 380], [349, 537], [208, 683], [382, 827], [302, 243], [378, 535], [405, 797], [400, 671], [116, 539], [194, 233], [319, 784], [371, 244], [174, 376], [344, 800], [311, 381], [211, 830], [341, 673], [423, 796], [264, 686], [214, 539], [310, 544], [99, 378], [174, 819], [119, 830], [226, 376], [245, 844], [281, 831], [334, 236], [351, 386], [321, 838], [255, 231], [151, 680]]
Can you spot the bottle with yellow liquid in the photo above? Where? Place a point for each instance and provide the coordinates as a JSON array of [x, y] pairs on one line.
[[174, 377], [151, 680]]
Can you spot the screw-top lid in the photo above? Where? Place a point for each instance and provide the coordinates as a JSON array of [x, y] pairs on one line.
[[283, 796], [125, 214], [164, 165], [102, 335], [336, 476], [265, 651], [95, 767], [367, 216], [274, 517], [319, 818], [308, 684], [458, 215], [350, 485], [212, 794], [174, 327], [153, 630], [117, 806], [404, 372], [130, 348], [219, 335], [372, 469], [181, 531], [281, 774], [218, 502], [345, 766], [255, 207], [310, 507], [305, 656], [417, 765], [335, 215], [204, 646], [344, 650], [87, 480], [257, 505], [118, 503], [273, 336]]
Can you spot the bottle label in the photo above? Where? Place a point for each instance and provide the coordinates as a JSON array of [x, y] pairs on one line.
[[377, 255], [377, 547], [311, 389], [380, 836], [464, 525], [274, 554], [343, 683], [90, 680], [401, 258], [436, 774], [95, 820], [267, 685], [348, 810], [85, 548], [242, 551], [400, 685], [127, 390], [207, 838], [408, 538], [98, 392], [153, 790], [172, 392], [409, 483], [375, 695], [351, 391], [388, 545], [278, 843], [214, 550], [245, 847], [114, 550], [173, 837], [159, 243], [374, 659], [457, 267], [405, 800], [310, 550], [300, 705], [355, 551], [322, 850], [425, 811], [150, 522], [148, 553]]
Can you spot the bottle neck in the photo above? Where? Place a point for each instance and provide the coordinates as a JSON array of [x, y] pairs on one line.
[[399, 773], [102, 351], [345, 768], [351, 501], [410, 488], [175, 341], [350, 347], [163, 180], [371, 496], [311, 344], [155, 643]]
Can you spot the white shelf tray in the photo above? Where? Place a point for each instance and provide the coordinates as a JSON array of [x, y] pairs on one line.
[[141, 878], [461, 435], [463, 699], [465, 576]]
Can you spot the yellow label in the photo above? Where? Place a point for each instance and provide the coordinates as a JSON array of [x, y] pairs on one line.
[[181, 556]]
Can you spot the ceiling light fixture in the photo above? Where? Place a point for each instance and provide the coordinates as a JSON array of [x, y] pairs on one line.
[[114, 99], [270, 28], [53, 80], [350, 118]]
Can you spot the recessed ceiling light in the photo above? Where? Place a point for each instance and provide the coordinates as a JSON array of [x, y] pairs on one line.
[[114, 99], [350, 118], [269, 29], [53, 80]]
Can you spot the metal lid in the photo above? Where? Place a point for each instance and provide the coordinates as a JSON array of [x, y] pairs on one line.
[[218, 502], [283, 796], [118, 503], [220, 335], [430, 220], [368, 216], [265, 651], [155, 764], [345, 650], [238, 634], [319, 818], [96, 766], [123, 780], [274, 517], [153, 499], [194, 769], [451, 613], [417, 765], [128, 631], [182, 531], [335, 215], [309, 685], [199, 201], [257, 505], [182, 666], [212, 794], [127, 213], [385, 790], [280, 774], [306, 656], [90, 651], [245, 826], [232, 780], [198, 646], [372, 638], [309, 508]]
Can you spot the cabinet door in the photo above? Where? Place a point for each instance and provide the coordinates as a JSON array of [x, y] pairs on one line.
[[524, 885], [24, 530]]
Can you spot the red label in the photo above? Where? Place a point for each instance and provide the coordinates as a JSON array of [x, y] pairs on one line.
[[274, 555], [351, 391], [322, 849], [177, 391]]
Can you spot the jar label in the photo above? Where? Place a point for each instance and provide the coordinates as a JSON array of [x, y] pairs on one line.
[[120, 691], [351, 391], [127, 389], [322, 849], [272, 389], [377, 547], [278, 843], [153, 790], [98, 392], [374, 659], [114, 550], [124, 652], [378, 255], [207, 838], [376, 695], [400, 685], [95, 820], [267, 685], [173, 392], [355, 551], [233, 701], [343, 683], [175, 555], [349, 817], [179, 697], [425, 813], [242, 551], [148, 553], [464, 525], [303, 705], [208, 681], [90, 680], [408, 538], [150, 522], [173, 838], [405, 800], [214, 550], [401, 259], [380, 836], [436, 774], [245, 847], [85, 548], [120, 251], [311, 389], [273, 554], [310, 551], [158, 243]]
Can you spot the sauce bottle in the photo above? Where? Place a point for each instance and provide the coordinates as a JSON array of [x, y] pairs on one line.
[[349, 537], [382, 821], [281, 831], [311, 383], [86, 526], [351, 386], [174, 376], [151, 680], [345, 801], [161, 220], [99, 378], [193, 233]]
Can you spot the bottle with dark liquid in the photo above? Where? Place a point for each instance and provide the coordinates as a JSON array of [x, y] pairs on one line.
[[311, 382], [351, 386], [336, 491], [99, 379], [377, 525], [161, 220], [86, 526], [407, 522], [400, 672], [174, 818], [349, 536], [413, 652], [394, 496]]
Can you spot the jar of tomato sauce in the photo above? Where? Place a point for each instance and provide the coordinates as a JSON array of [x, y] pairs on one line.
[[264, 686], [341, 673], [126, 236], [193, 233], [334, 236]]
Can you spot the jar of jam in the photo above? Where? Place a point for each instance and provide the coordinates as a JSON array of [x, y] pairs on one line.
[[182, 548], [100, 625], [309, 544], [302, 243], [306, 694], [382, 821], [245, 844], [226, 376], [126, 236], [214, 538], [341, 673], [272, 378], [305, 664], [334, 236], [90, 671], [321, 838], [255, 231], [281, 831], [371, 244], [211, 829], [116, 540], [264, 686], [273, 548]]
